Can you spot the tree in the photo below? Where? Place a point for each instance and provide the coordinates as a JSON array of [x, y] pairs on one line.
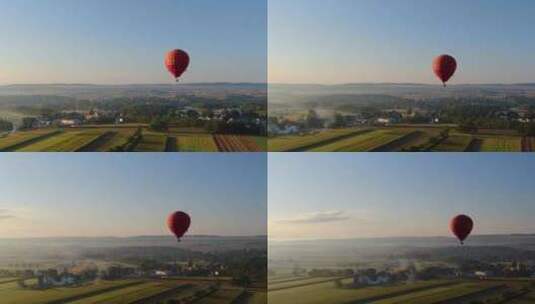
[[468, 127], [28, 122], [313, 121], [159, 124], [339, 121]]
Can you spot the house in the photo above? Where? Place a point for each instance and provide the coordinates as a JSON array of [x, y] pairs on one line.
[[371, 277], [51, 277], [69, 122], [483, 274], [390, 118]]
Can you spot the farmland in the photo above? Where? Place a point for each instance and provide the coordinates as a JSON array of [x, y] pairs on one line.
[[423, 292], [108, 138], [397, 139], [132, 291]]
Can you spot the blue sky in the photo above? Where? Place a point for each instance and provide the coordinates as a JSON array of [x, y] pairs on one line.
[[340, 41], [352, 195], [124, 41], [112, 195]]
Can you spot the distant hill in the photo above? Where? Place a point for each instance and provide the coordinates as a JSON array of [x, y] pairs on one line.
[[76, 245], [96, 91], [288, 93], [483, 245]]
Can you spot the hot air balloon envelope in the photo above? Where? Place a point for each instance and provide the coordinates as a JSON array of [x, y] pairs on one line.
[[461, 226], [178, 222], [176, 62], [444, 67]]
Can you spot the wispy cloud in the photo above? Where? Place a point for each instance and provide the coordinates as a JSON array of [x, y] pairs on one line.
[[317, 217], [5, 214]]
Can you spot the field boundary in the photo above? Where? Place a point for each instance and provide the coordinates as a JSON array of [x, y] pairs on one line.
[[400, 293], [328, 141], [96, 142], [93, 293], [474, 145], [396, 142], [170, 144], [163, 294], [10, 281], [468, 296], [30, 141], [307, 284]]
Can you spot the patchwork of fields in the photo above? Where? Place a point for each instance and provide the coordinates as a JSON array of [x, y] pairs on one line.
[[306, 290], [107, 138], [130, 292], [399, 139]]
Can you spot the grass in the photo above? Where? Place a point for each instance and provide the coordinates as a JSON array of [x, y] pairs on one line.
[[21, 137], [119, 138], [298, 282], [528, 298], [221, 296], [298, 142], [501, 144], [327, 293], [13, 294], [65, 142], [363, 142], [435, 295], [129, 294], [454, 143], [151, 142], [105, 138], [195, 143], [257, 298]]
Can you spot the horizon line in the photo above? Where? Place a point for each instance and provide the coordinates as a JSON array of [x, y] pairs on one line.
[[402, 83], [395, 237], [132, 236], [126, 84]]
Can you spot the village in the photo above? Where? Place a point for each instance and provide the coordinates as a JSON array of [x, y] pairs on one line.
[[81, 273], [315, 120], [394, 275]]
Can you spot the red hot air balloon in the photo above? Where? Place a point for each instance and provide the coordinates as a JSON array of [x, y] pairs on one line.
[[444, 67], [176, 61], [178, 222], [461, 226]]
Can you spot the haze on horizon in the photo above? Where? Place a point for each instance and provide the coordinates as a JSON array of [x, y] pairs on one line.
[[363, 195], [389, 41], [90, 195], [124, 41]]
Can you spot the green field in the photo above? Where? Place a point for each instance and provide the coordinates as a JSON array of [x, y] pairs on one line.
[[127, 291], [441, 293], [109, 138], [151, 142], [129, 294], [395, 139], [297, 282], [222, 296], [195, 143], [19, 139], [305, 142], [454, 143], [422, 292], [500, 144], [11, 293], [119, 138], [363, 142], [65, 142]]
